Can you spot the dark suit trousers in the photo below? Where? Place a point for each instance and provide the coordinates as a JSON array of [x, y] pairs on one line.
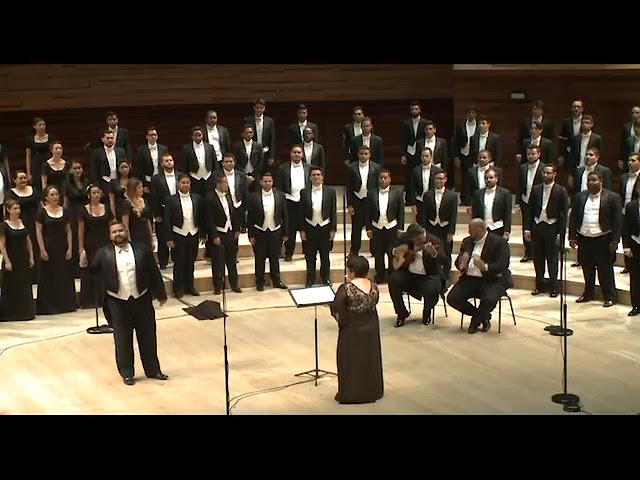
[[404, 281], [497, 231], [358, 222], [441, 233], [185, 252], [202, 186], [488, 291], [267, 245], [140, 315], [412, 161], [293, 209], [543, 238], [420, 214], [634, 270], [317, 241], [528, 249], [465, 164], [383, 240], [594, 254], [163, 250], [224, 254]]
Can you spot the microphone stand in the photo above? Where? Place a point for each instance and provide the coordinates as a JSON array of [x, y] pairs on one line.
[[570, 401], [98, 329], [226, 358], [344, 227]]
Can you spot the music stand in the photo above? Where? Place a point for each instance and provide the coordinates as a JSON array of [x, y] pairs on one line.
[[312, 297]]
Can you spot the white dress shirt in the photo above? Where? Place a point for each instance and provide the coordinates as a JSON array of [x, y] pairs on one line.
[[297, 181], [628, 192], [591, 217], [531, 176], [269, 207], [260, 131], [366, 140], [363, 168], [188, 220], [481, 171], [308, 151], [153, 151], [357, 129], [585, 175], [471, 130], [113, 167], [489, 197], [383, 221], [231, 180], [472, 269], [213, 134], [170, 178], [202, 172], [426, 176], [584, 144], [546, 195], [126, 269], [248, 146], [482, 141], [438, 195], [225, 206], [316, 208]]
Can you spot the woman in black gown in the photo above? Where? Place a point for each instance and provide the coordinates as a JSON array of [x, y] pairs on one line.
[[56, 287], [137, 216], [37, 151], [93, 233], [359, 352], [75, 197], [16, 302], [30, 200], [55, 169], [118, 190]]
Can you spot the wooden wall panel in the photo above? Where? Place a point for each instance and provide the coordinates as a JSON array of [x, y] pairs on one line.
[[609, 95], [75, 127], [60, 86]]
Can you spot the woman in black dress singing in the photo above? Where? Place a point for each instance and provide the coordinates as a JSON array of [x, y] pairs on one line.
[[359, 353], [16, 302], [93, 233], [54, 170], [56, 287], [137, 215], [75, 197], [118, 190], [30, 200], [37, 151]]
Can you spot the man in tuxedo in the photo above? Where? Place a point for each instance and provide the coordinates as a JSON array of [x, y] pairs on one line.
[[629, 191], [163, 186], [484, 266], [199, 161], [148, 159], [544, 225], [268, 224], [527, 124], [248, 155], [592, 164], [530, 175], [120, 134], [420, 275], [216, 135], [295, 131], [293, 176], [421, 181], [105, 160], [237, 185], [264, 130], [368, 139], [632, 144], [318, 225], [631, 245], [385, 217], [628, 131], [580, 144], [362, 176], [570, 128], [484, 139], [440, 214], [223, 225], [412, 130], [313, 151], [130, 275], [536, 139], [350, 131], [493, 205], [475, 175], [183, 220], [437, 145], [462, 158], [595, 226]]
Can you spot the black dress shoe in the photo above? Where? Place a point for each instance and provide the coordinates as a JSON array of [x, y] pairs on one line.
[[178, 294], [308, 285], [535, 292], [326, 282], [236, 289], [260, 288], [576, 264], [288, 258], [553, 294], [193, 292], [583, 299], [608, 303], [280, 285], [159, 376], [525, 259], [129, 381], [426, 316], [401, 319], [634, 311], [217, 291], [625, 270], [486, 325]]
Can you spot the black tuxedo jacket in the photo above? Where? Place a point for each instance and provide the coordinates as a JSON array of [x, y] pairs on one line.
[[395, 208], [223, 134], [408, 137], [268, 133], [461, 138], [472, 178], [159, 193], [495, 253], [566, 134], [317, 157], [595, 140], [348, 134], [215, 216], [283, 180], [329, 207], [147, 272], [142, 167], [522, 180], [354, 182], [190, 161], [494, 145], [546, 150], [623, 187], [173, 215], [99, 166], [122, 141], [501, 206], [558, 206], [627, 131], [610, 214], [415, 182], [604, 171], [448, 209], [631, 225], [242, 160], [255, 212], [440, 155], [525, 129], [293, 133], [432, 265], [241, 186], [377, 153]]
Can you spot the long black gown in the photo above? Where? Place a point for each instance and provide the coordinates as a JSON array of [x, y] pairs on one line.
[[77, 199], [57, 178], [359, 352], [28, 207], [96, 235], [138, 228], [40, 153], [16, 300], [56, 287]]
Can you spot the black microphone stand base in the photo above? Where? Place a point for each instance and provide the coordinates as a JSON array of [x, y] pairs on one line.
[[571, 402], [100, 329], [558, 331], [316, 373]]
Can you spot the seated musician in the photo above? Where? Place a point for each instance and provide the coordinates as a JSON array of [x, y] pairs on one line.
[[419, 258]]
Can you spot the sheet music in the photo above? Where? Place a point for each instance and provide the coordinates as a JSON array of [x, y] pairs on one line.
[[313, 296]]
